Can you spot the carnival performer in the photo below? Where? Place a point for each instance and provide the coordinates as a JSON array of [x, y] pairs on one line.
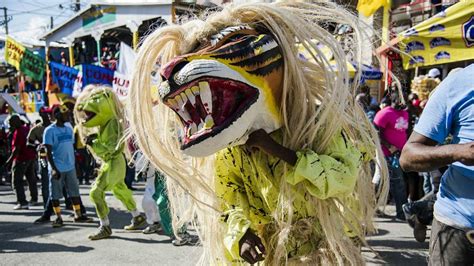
[[271, 147], [99, 115], [155, 204]]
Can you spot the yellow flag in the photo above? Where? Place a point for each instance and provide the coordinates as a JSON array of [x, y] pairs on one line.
[[445, 38], [14, 52], [368, 7]]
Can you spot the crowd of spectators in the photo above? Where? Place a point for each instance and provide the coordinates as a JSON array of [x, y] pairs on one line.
[[413, 193]]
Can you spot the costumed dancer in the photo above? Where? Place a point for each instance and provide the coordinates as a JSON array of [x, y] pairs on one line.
[[99, 115], [280, 151], [155, 203]]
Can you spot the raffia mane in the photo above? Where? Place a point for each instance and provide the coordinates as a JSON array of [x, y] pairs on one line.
[[316, 94]]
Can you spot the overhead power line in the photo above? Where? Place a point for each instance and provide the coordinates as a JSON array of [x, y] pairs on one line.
[[37, 9], [35, 4]]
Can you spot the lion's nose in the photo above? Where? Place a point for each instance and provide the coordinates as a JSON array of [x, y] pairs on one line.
[[168, 70]]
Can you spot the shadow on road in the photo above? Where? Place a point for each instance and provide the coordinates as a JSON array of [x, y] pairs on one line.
[[397, 244], [33, 247], [394, 257], [380, 232], [141, 240], [35, 213], [10, 232]]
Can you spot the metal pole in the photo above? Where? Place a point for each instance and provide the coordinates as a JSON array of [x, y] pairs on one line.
[[6, 19], [135, 40], [78, 5], [98, 51], [71, 55], [173, 12], [52, 22], [386, 39]]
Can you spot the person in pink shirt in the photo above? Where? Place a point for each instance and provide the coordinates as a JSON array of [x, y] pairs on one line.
[[392, 123]]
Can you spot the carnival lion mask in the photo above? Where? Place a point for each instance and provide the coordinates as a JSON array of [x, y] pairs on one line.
[[225, 89]]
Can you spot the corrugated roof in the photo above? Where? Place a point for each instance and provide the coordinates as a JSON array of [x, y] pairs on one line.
[[158, 2]]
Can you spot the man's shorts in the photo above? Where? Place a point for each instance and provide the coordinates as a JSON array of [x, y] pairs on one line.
[[68, 179]]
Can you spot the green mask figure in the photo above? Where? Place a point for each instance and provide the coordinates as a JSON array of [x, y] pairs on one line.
[[99, 117]]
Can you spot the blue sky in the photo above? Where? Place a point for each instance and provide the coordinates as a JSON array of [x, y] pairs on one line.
[[31, 18]]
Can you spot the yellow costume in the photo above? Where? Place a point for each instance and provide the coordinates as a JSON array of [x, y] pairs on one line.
[[263, 149], [248, 184]]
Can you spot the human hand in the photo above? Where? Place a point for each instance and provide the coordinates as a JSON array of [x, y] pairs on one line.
[[55, 174], [8, 163], [465, 153], [43, 152], [392, 149], [251, 248]]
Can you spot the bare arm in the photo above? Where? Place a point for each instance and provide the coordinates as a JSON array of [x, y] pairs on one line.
[[49, 149], [384, 142], [15, 153], [421, 154], [260, 139]]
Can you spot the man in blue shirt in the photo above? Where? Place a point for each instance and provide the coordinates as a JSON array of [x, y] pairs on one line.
[[450, 111], [59, 141]]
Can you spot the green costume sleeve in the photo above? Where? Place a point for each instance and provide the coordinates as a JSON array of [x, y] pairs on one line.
[[332, 174], [105, 145], [230, 190]]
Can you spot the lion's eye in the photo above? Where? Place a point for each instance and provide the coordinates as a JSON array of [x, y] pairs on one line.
[[234, 38], [223, 34]]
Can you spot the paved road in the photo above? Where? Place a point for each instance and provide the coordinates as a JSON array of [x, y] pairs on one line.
[[395, 244], [23, 243]]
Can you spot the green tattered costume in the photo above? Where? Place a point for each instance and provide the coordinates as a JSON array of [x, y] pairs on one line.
[[108, 148]]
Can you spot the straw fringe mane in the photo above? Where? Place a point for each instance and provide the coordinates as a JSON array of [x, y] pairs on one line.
[[316, 94]]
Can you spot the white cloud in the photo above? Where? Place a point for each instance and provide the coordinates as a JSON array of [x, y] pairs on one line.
[[34, 28]]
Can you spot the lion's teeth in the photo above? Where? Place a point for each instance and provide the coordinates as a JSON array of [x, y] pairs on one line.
[[208, 122], [184, 115], [192, 129], [173, 103], [181, 110], [179, 100], [195, 90], [191, 97], [185, 99], [206, 96]]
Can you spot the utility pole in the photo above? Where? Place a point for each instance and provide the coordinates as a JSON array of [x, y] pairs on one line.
[[52, 23], [6, 19], [78, 5]]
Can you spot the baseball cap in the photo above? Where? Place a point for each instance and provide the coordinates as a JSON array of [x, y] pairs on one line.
[[68, 100], [61, 108], [433, 73], [45, 109]]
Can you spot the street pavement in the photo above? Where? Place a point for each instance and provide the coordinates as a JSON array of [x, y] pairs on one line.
[[24, 243]]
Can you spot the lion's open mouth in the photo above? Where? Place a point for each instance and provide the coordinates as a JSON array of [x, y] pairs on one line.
[[207, 106]]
